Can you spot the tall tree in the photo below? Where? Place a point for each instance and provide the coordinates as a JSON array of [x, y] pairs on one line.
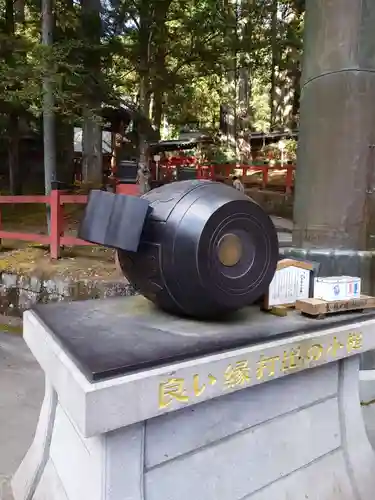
[[159, 75], [15, 185], [49, 129], [274, 60], [92, 166]]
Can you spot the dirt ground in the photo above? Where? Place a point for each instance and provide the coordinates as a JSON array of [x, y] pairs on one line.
[[78, 262], [33, 259]]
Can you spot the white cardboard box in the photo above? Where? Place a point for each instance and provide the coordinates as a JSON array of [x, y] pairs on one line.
[[337, 288]]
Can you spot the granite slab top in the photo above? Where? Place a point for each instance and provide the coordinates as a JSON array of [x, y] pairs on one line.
[[123, 335]]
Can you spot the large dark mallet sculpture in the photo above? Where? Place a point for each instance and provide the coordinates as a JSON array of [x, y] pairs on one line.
[[194, 248]]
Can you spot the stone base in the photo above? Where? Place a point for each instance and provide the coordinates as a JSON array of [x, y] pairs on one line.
[[367, 387], [61, 464], [297, 437], [278, 418], [6, 490], [367, 396]]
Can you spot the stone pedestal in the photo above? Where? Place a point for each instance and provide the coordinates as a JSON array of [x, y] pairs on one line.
[[139, 405]]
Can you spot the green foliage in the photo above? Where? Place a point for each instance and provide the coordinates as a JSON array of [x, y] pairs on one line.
[[220, 155], [180, 59], [260, 104], [291, 149]]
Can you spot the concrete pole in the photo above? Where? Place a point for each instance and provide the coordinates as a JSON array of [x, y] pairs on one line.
[[335, 168]]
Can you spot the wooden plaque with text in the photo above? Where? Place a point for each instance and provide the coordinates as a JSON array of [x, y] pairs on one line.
[[293, 280]]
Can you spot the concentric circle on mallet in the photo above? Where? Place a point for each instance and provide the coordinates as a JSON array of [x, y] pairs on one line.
[[229, 249]]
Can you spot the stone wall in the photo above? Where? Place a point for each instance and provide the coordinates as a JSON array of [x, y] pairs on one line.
[[20, 292], [272, 202]]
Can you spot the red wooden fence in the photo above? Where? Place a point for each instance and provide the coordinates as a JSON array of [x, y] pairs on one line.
[[210, 172], [57, 199], [56, 238]]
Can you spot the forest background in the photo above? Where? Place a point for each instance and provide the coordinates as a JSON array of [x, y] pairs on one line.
[[187, 64]]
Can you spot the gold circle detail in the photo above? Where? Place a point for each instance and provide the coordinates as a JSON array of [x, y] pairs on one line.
[[229, 250]]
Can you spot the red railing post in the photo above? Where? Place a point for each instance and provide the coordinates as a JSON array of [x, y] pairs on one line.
[[55, 229], [289, 179], [1, 241], [212, 172], [265, 176]]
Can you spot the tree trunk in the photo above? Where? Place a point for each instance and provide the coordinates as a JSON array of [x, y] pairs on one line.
[[229, 108], [15, 184], [296, 98], [144, 93], [145, 38], [65, 128], [65, 151], [245, 71], [157, 109], [299, 10], [49, 129], [274, 63], [144, 103], [92, 157], [161, 35], [19, 7]]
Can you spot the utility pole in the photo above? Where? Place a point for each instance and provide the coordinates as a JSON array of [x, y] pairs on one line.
[[48, 105]]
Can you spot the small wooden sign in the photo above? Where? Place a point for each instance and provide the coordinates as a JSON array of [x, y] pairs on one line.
[[320, 307], [292, 281]]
